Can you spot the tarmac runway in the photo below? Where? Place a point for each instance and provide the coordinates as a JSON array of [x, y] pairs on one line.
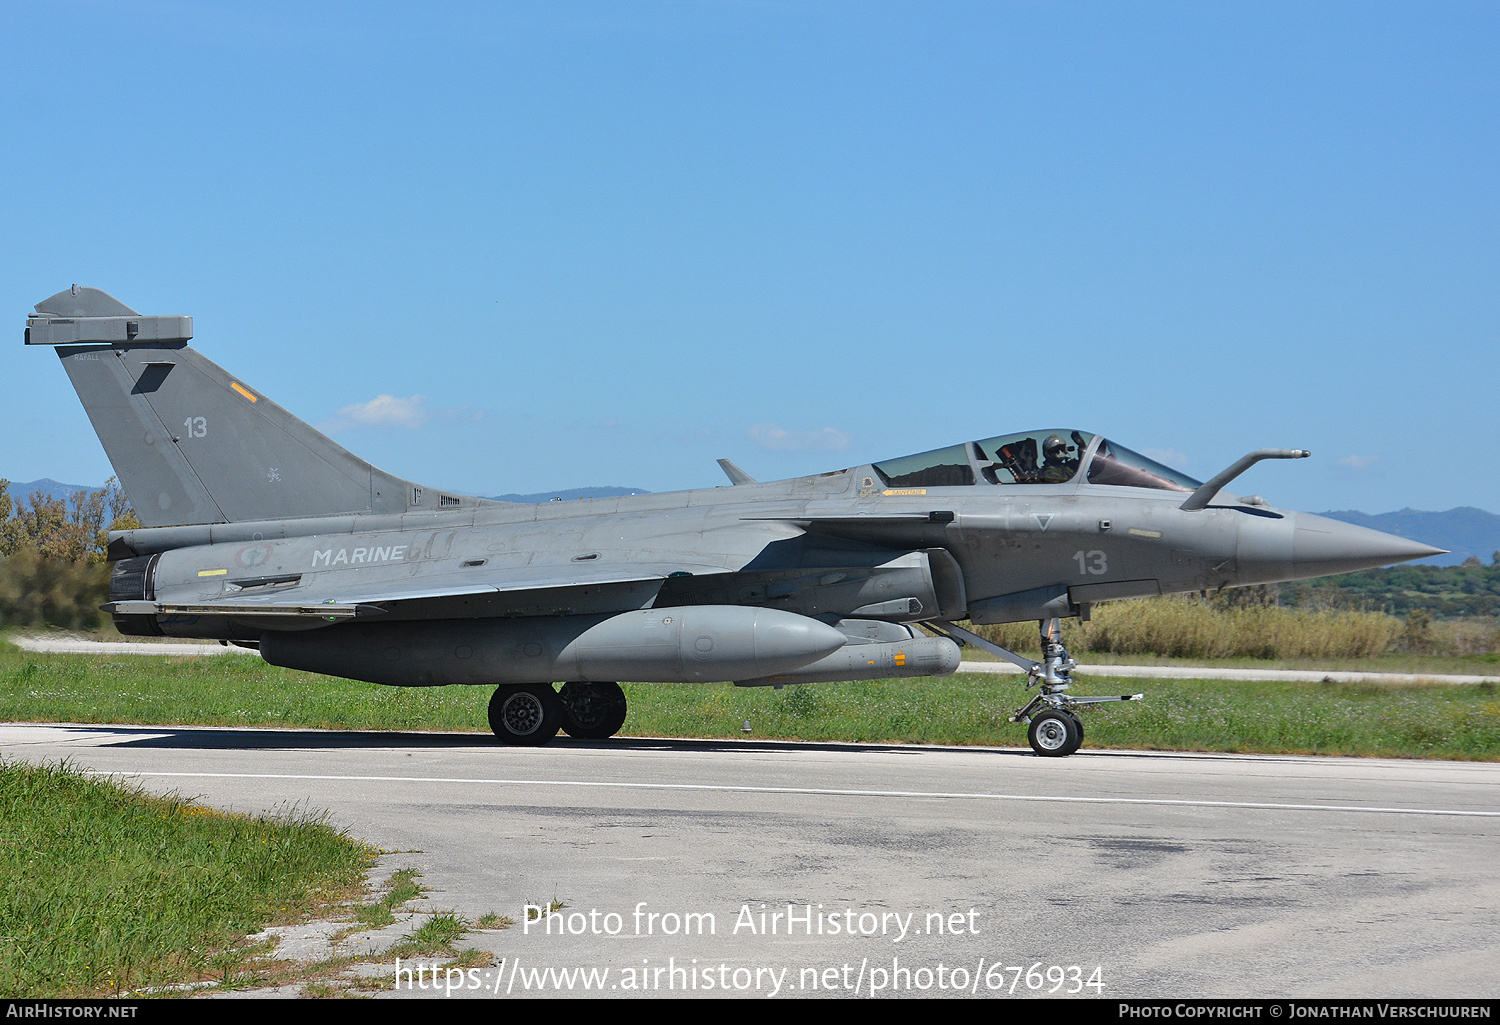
[[912, 868]]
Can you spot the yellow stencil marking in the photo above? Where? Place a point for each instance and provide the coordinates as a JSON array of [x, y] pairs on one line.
[[243, 390], [212, 572], [905, 491], [1138, 532]]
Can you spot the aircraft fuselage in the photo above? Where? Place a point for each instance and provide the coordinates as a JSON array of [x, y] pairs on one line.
[[831, 547]]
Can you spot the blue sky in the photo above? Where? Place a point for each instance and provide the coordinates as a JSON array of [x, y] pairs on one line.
[[516, 247]]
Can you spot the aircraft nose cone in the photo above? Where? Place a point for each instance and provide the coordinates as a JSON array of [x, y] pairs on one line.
[[1321, 547]]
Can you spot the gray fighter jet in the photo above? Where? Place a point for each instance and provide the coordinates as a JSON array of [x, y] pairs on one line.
[[260, 531]]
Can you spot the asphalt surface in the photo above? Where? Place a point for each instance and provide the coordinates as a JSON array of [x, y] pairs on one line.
[[1175, 875]]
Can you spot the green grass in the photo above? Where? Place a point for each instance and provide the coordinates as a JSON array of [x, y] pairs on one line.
[[402, 887], [434, 936], [106, 890], [1182, 715], [1325, 719], [221, 690], [1200, 715]]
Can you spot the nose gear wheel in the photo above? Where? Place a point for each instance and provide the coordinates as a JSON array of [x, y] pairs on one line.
[[1055, 734]]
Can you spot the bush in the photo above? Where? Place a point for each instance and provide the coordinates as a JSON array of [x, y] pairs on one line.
[[52, 556], [1192, 628], [37, 591]]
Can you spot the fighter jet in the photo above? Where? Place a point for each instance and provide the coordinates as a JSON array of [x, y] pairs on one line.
[[262, 532]]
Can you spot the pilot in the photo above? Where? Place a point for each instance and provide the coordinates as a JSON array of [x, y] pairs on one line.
[[1057, 467]]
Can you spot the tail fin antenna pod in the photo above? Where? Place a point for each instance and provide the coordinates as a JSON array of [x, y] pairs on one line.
[[87, 315], [190, 442]]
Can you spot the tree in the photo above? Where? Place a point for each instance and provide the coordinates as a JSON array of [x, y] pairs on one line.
[[11, 536], [53, 554], [76, 530]]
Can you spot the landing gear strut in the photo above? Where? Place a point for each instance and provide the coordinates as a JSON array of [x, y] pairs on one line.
[[1055, 729]]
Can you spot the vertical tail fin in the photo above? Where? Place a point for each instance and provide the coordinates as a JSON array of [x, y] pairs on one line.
[[190, 442]]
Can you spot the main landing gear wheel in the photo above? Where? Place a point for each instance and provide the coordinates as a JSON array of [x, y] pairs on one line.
[[1054, 734], [525, 715], [592, 711]]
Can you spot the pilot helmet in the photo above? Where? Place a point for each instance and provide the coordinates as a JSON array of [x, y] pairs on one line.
[[1055, 448]]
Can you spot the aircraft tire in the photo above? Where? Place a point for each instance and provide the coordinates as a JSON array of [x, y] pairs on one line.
[[525, 716], [592, 711], [1054, 734]]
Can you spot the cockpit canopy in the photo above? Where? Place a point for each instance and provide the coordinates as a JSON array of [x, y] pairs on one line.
[[1040, 457]]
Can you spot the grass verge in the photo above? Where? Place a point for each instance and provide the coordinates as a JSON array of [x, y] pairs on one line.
[[106, 890], [1177, 715], [1196, 715]]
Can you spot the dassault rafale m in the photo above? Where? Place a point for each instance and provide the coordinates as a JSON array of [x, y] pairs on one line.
[[259, 531]]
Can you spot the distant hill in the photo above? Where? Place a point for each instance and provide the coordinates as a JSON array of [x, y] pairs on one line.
[[54, 489], [569, 495], [1464, 531]]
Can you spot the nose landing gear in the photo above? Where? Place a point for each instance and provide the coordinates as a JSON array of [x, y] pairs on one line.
[[1055, 729]]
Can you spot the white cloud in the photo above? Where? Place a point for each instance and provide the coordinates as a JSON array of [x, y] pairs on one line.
[[1357, 462], [381, 411], [779, 439]]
